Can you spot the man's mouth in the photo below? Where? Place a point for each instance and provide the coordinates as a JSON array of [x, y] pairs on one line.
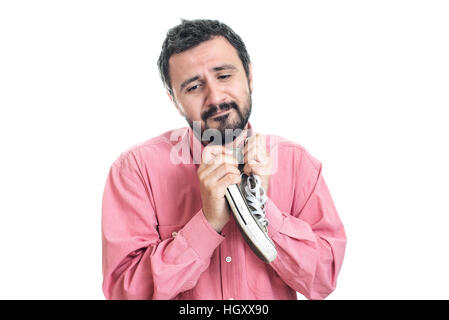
[[221, 113], [220, 110]]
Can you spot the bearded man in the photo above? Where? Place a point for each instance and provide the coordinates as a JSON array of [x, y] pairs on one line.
[[167, 228]]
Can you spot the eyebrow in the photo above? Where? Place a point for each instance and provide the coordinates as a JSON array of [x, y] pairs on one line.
[[225, 67], [219, 68], [186, 82]]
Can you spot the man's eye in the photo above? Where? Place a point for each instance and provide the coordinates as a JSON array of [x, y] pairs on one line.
[[193, 88], [224, 76]]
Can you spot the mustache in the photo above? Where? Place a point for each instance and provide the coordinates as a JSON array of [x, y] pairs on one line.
[[215, 109]]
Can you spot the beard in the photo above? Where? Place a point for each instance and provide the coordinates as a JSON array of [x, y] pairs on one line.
[[226, 129]]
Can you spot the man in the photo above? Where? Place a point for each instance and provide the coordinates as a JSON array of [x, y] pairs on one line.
[[168, 232]]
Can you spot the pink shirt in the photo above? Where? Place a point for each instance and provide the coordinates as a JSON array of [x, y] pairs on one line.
[[157, 243]]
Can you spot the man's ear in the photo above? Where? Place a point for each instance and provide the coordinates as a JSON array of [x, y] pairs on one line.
[[250, 77], [173, 100]]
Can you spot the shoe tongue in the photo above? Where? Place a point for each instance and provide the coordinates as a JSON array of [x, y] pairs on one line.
[[238, 145]]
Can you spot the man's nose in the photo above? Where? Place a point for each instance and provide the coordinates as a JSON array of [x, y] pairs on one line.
[[215, 94]]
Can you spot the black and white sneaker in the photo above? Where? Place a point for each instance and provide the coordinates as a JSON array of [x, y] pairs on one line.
[[247, 201]]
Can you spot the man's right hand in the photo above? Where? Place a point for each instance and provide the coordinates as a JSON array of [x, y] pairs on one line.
[[217, 171]]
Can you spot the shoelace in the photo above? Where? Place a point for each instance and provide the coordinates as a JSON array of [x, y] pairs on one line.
[[256, 198], [254, 193]]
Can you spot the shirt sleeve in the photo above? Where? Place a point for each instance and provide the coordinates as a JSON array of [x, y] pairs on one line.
[[310, 240], [137, 264]]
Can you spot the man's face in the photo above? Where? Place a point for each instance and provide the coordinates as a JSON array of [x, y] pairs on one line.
[[210, 85]]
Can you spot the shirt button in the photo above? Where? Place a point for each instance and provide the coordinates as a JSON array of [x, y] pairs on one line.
[[174, 234], [228, 259]]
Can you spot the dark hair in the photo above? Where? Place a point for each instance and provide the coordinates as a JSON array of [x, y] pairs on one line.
[[190, 33]]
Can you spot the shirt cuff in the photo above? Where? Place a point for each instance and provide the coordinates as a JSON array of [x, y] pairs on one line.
[[274, 216], [200, 236]]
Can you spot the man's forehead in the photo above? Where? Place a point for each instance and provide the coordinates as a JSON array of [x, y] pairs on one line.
[[211, 54]]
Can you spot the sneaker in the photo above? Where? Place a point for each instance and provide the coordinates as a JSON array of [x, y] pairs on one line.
[[247, 201]]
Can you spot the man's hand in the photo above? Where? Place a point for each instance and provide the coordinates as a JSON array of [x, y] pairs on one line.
[[217, 171], [257, 161]]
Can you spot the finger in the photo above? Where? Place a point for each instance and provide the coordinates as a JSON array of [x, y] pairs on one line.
[[227, 180], [258, 140], [248, 169], [257, 169], [215, 181], [210, 152], [222, 170], [252, 154], [240, 140], [224, 158], [261, 140], [219, 160], [255, 151]]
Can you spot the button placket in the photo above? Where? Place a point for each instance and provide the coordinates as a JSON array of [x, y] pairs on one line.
[[226, 269], [228, 263]]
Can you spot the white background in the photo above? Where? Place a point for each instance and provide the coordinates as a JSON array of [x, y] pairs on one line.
[[363, 85]]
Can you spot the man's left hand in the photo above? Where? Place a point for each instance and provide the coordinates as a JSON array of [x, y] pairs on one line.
[[257, 161]]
